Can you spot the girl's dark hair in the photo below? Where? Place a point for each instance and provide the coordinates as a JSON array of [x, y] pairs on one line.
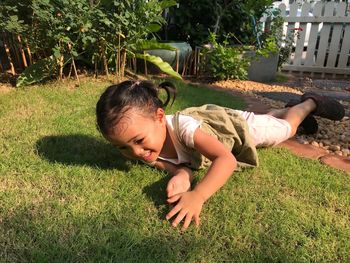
[[117, 99]]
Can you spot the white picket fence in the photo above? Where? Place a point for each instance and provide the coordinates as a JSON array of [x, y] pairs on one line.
[[323, 45]]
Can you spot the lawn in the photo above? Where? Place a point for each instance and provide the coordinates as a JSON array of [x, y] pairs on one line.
[[67, 196]]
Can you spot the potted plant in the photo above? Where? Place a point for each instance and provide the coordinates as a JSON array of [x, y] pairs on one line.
[[266, 56], [255, 52]]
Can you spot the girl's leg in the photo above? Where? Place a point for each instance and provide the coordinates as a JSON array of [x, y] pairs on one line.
[[296, 114], [278, 113]]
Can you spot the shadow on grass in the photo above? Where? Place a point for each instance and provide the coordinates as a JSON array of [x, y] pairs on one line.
[[32, 235], [76, 240], [79, 149], [156, 192]]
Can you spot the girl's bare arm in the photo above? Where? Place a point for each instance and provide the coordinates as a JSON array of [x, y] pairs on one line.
[[222, 167], [223, 164]]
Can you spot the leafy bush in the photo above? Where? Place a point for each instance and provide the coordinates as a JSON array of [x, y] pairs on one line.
[[193, 20], [95, 32], [223, 61]]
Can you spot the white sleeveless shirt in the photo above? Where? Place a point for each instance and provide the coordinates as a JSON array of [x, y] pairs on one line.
[[187, 127]]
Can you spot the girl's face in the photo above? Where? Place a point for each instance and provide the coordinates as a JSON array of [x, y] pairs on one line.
[[139, 136]]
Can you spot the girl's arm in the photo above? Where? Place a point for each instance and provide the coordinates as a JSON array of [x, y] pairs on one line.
[[223, 164]]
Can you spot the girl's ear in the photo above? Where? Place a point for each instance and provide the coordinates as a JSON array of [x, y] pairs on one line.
[[160, 115]]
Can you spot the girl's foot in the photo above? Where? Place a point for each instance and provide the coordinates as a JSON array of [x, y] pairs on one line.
[[326, 107], [178, 184]]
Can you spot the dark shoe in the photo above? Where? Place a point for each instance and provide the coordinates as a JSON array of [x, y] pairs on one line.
[[325, 107], [309, 125]]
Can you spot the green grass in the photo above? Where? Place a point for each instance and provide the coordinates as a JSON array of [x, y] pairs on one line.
[[67, 196]]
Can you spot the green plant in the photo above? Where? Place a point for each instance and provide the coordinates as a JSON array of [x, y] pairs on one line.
[[271, 38], [218, 16], [223, 61], [94, 33]]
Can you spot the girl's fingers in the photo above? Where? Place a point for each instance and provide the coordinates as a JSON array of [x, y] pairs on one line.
[[187, 222], [179, 217], [170, 190], [197, 220], [173, 212], [173, 199]]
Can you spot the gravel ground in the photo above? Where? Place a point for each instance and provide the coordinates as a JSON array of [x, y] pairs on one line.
[[334, 136]]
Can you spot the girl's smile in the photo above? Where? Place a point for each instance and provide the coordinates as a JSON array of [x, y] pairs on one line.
[[139, 136]]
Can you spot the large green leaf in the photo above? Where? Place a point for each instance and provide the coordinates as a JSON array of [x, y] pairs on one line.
[[162, 65], [37, 72], [167, 3], [154, 27], [153, 44]]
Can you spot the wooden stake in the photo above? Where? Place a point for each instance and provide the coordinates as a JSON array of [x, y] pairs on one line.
[[117, 64], [61, 63], [1, 67], [13, 44], [96, 69], [8, 53], [24, 59], [75, 70], [144, 52], [29, 54], [123, 63], [105, 63]]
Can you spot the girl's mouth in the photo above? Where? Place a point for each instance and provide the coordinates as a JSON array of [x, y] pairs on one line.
[[147, 156]]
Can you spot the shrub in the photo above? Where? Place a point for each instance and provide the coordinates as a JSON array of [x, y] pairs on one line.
[[223, 61]]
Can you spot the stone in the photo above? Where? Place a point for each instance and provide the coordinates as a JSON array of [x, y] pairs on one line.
[[343, 138], [346, 152], [314, 143], [334, 148]]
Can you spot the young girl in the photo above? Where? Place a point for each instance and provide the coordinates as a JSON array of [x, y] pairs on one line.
[[131, 116]]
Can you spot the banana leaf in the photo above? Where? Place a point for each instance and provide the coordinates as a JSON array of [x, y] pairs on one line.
[[153, 44], [162, 65]]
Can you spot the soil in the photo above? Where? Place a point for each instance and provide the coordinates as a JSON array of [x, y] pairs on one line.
[[333, 136]]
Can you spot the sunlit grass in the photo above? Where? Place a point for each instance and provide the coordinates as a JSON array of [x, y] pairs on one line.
[[67, 196]]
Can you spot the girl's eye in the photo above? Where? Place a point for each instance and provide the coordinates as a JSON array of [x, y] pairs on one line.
[[139, 141]]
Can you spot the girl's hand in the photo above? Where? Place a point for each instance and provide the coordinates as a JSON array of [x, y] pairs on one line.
[[179, 183], [189, 206]]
